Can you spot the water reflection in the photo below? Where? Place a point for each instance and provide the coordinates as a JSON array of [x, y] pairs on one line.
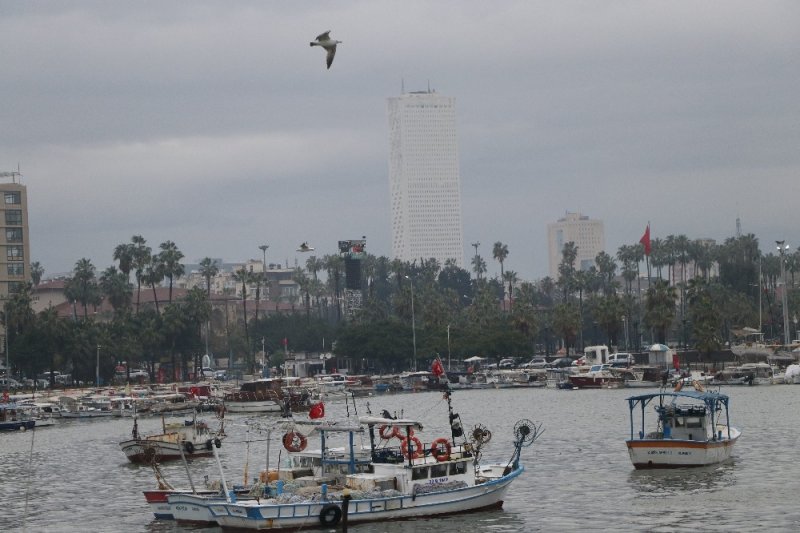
[[660, 482]]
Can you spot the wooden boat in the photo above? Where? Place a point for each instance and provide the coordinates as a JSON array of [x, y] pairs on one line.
[[267, 395], [692, 428], [189, 438], [356, 484]]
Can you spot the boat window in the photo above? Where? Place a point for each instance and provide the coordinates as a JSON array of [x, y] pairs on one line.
[[679, 421], [419, 473], [458, 468], [438, 470], [694, 422]]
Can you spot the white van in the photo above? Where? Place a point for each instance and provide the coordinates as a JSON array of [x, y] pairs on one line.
[[621, 359]]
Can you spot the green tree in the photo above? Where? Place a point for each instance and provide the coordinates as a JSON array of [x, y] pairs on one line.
[[660, 308], [169, 258]]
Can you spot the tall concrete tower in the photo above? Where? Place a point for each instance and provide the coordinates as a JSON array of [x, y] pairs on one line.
[[424, 178]]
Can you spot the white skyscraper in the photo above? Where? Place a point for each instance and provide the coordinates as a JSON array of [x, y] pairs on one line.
[[424, 179], [587, 234]]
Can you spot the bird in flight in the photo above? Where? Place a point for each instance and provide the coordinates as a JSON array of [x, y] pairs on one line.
[[305, 248], [324, 40]]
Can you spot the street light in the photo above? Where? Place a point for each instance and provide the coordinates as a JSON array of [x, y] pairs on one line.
[[625, 325], [448, 343], [782, 247], [97, 368], [413, 322], [263, 249]]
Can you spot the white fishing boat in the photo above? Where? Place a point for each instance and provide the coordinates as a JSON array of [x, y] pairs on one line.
[[692, 428], [358, 483]]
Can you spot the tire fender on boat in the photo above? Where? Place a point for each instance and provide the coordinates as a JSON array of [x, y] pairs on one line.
[[294, 441], [188, 446], [440, 449], [330, 514]]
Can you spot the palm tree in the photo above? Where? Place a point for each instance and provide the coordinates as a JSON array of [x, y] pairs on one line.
[[37, 271], [84, 285], [500, 252], [116, 287], [243, 276], [208, 269], [140, 253], [153, 275], [478, 266], [660, 308], [511, 278], [169, 258], [125, 254]]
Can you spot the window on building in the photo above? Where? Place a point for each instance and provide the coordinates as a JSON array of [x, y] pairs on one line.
[[16, 269], [15, 287], [13, 197], [13, 234], [14, 253], [13, 217]]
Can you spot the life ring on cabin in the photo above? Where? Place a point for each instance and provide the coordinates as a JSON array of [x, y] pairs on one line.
[[330, 514], [188, 446], [679, 386], [698, 386], [416, 451], [440, 449], [294, 441], [387, 432]]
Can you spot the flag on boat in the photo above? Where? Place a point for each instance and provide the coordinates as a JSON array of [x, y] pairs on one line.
[[436, 368], [645, 240], [317, 411]]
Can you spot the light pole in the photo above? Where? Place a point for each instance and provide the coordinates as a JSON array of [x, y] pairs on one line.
[[413, 322], [448, 344], [782, 247], [97, 368], [625, 325], [263, 249]]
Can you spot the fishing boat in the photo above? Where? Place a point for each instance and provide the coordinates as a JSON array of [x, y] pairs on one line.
[[189, 438], [267, 395], [357, 483], [692, 428], [14, 418]]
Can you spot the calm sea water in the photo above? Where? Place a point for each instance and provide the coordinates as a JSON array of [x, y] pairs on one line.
[[578, 476]]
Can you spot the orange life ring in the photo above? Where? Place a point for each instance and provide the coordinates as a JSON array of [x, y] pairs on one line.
[[440, 449], [294, 441], [679, 386], [387, 432], [416, 451]]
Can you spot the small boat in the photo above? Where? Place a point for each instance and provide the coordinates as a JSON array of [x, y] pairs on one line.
[[692, 428], [598, 377], [267, 395], [14, 418], [190, 438], [356, 483]]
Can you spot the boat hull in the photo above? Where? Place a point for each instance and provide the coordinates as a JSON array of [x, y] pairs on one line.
[[142, 451], [669, 453], [595, 382], [254, 406], [261, 516]]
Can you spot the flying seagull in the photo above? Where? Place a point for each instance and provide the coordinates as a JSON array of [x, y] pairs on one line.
[[305, 248], [324, 40]]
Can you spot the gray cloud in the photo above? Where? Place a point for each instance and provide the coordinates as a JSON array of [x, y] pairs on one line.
[[215, 125]]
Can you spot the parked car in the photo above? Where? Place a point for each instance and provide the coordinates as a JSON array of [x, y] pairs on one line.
[[506, 363], [9, 383], [621, 359], [536, 362], [561, 362]]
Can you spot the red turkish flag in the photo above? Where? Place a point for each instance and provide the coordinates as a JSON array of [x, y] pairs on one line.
[[317, 411], [436, 368], [645, 240]]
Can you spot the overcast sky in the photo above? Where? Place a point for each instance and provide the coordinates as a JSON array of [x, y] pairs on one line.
[[215, 125]]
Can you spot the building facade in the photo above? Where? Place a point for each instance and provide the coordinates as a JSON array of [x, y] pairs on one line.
[[15, 258], [424, 179], [587, 234]]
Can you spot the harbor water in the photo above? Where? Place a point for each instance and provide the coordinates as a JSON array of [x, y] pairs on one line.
[[74, 477]]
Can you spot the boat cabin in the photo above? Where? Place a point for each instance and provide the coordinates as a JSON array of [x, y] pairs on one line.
[[686, 422]]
